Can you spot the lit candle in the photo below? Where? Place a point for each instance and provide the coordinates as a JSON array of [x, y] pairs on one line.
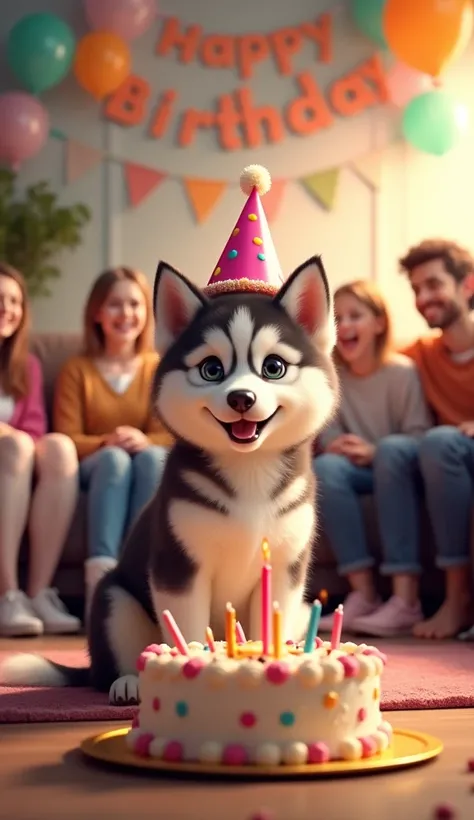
[[323, 596], [175, 632], [239, 633], [313, 626], [230, 622], [337, 627], [266, 599], [210, 639], [277, 631]]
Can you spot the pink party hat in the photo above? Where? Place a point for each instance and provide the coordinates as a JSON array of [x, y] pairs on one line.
[[249, 263]]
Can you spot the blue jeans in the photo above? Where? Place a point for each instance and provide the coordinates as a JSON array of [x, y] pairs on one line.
[[393, 479], [447, 464], [118, 486]]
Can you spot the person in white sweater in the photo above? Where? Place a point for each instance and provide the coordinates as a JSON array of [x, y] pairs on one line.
[[381, 417]]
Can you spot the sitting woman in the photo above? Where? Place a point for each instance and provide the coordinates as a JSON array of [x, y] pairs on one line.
[[38, 478], [102, 401], [380, 419]]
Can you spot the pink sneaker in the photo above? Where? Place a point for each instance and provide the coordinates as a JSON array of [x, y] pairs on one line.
[[395, 617], [355, 606]]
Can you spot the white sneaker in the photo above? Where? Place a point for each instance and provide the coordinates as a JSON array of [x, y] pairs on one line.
[[95, 569], [49, 608], [17, 618]]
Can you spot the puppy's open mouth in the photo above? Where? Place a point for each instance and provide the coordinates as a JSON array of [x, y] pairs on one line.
[[245, 431]]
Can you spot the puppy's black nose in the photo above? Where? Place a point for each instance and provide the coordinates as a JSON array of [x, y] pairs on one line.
[[241, 400]]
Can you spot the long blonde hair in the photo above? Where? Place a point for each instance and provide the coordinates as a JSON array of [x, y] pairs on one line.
[[369, 295]]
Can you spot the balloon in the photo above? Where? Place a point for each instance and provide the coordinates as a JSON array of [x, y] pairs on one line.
[[404, 83], [24, 127], [433, 122], [40, 51], [128, 19], [102, 63], [428, 35], [368, 17]]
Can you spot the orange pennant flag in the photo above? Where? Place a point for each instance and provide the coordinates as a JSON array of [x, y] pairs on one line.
[[203, 195], [141, 181], [80, 158], [272, 200]]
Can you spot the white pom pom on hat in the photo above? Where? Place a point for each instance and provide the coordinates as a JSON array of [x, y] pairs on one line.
[[255, 176]]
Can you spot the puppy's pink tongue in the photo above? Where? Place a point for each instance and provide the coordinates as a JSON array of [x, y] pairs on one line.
[[244, 429]]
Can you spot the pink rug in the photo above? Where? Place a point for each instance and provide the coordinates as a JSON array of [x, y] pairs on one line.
[[417, 676]]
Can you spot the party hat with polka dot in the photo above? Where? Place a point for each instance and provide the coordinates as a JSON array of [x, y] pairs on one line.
[[249, 262]]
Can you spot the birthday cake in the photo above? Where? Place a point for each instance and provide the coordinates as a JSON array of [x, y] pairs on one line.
[[300, 708]]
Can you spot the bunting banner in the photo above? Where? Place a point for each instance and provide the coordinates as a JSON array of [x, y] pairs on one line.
[[203, 195]]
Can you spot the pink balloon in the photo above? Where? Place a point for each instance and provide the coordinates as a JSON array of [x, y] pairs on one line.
[[404, 83], [24, 127], [127, 18]]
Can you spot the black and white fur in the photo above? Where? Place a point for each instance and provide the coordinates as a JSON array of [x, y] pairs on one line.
[[197, 545]]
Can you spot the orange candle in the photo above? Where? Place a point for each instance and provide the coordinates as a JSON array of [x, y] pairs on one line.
[[266, 599], [277, 631], [230, 622]]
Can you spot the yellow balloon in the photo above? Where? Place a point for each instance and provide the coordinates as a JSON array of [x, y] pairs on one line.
[[102, 63]]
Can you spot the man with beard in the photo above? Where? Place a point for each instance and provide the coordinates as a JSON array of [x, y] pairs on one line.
[[441, 274]]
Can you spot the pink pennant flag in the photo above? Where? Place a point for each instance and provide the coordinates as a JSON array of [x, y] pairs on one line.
[[272, 200], [141, 181], [80, 158]]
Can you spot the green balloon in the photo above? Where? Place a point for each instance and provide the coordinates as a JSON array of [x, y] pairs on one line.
[[431, 124], [368, 17], [40, 51]]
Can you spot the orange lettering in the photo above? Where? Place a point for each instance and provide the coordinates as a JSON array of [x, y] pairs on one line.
[[127, 105], [217, 51], [252, 48], [309, 112], [321, 34], [254, 120], [285, 42], [186, 42], [350, 95], [372, 70], [161, 117], [191, 121], [227, 121]]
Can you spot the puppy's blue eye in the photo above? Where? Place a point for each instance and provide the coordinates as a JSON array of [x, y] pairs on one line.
[[211, 369], [273, 368]]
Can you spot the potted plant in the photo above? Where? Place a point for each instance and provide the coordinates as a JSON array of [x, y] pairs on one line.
[[35, 228]]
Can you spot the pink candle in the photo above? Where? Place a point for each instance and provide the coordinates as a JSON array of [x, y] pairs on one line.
[[175, 632], [239, 633], [338, 617], [266, 600]]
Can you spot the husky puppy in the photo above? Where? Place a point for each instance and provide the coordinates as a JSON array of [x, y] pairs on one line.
[[244, 383]]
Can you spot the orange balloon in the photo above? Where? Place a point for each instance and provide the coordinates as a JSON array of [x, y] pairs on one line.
[[102, 63], [428, 34]]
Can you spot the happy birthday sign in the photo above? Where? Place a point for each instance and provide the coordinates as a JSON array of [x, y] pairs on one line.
[[235, 117]]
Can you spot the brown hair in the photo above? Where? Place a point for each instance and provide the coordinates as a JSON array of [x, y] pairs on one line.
[[93, 334], [456, 259], [14, 350], [368, 294]]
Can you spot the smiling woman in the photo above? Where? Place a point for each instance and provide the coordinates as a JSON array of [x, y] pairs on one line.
[[102, 403]]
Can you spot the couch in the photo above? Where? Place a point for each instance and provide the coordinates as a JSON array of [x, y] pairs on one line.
[[53, 349]]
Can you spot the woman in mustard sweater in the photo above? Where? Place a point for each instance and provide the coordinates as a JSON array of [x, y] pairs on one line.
[[102, 401]]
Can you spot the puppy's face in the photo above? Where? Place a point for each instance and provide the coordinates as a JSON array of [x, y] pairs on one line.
[[245, 372]]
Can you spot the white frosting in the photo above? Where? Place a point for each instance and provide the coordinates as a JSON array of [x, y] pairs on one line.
[[217, 702]]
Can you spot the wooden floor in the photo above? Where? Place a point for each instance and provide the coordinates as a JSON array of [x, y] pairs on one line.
[[44, 775]]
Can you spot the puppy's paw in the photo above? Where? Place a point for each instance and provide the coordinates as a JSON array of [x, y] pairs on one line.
[[124, 691]]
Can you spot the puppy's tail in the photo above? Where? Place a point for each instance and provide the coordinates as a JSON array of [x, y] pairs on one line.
[[33, 670]]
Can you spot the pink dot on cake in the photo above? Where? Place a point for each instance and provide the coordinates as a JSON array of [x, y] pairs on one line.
[[235, 755], [248, 719], [173, 752], [361, 714], [192, 668], [277, 672], [156, 704]]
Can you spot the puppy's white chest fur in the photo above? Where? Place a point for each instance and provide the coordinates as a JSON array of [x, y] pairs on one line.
[[226, 541]]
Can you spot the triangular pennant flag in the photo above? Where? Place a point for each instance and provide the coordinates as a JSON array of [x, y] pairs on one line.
[[141, 181], [272, 200], [323, 186], [80, 158], [369, 169], [203, 195]]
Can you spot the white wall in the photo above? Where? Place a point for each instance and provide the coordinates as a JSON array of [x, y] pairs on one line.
[[362, 236]]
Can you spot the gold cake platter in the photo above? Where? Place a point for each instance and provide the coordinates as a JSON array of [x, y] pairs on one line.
[[408, 749]]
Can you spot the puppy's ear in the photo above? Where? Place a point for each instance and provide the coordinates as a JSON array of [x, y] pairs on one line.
[[306, 297], [175, 304]]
